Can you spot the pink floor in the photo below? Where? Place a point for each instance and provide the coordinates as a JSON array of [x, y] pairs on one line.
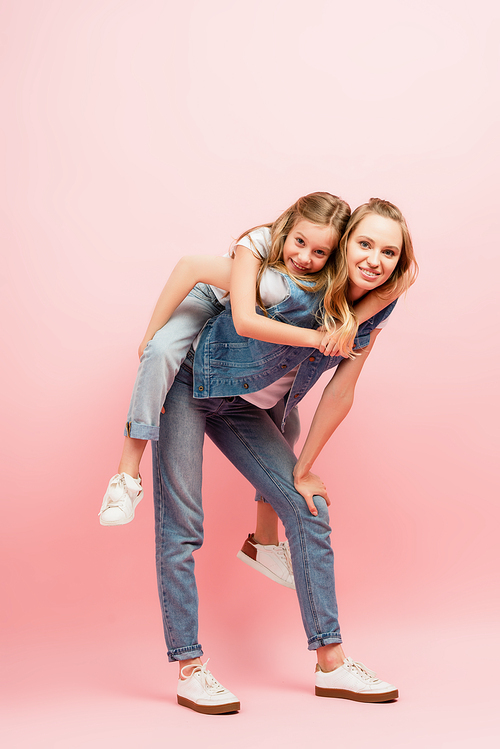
[[80, 685]]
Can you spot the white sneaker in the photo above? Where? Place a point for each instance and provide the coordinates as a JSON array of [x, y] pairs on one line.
[[202, 692], [273, 561], [122, 497], [353, 681]]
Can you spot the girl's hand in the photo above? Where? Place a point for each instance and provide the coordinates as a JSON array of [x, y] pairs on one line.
[[308, 485], [143, 345], [328, 345]]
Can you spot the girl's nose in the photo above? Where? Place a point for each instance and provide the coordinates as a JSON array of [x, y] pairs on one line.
[[373, 259]]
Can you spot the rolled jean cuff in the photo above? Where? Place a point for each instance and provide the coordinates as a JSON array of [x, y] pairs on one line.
[[141, 431], [318, 641], [184, 654]]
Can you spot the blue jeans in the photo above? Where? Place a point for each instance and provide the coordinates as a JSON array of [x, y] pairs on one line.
[[254, 444], [162, 358]]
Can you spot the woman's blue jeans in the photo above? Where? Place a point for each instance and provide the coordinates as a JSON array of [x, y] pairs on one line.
[[255, 445]]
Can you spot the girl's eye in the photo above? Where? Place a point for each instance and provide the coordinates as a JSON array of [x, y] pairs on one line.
[[299, 241], [364, 244], [389, 253], [320, 253]]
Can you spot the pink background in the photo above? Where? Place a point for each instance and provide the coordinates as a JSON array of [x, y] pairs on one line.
[[134, 132]]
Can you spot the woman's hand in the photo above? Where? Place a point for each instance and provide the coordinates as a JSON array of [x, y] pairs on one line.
[[309, 485]]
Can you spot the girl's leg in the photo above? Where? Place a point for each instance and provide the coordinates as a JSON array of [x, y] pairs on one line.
[[159, 364], [162, 358], [133, 450]]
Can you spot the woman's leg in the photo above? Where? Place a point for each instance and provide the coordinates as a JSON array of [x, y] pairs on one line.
[[262, 550], [255, 446], [266, 528], [258, 450], [247, 436]]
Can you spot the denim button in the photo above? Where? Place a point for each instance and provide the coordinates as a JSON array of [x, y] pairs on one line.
[[312, 358], [200, 388], [297, 395], [245, 386], [283, 366]]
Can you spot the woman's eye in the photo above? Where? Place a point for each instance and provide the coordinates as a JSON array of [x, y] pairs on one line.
[[389, 253], [320, 253], [364, 244], [300, 241]]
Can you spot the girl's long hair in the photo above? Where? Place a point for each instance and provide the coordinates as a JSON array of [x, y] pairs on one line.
[[322, 209]]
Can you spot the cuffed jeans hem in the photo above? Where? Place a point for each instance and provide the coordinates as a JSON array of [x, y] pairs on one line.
[[318, 641], [141, 431], [184, 654]]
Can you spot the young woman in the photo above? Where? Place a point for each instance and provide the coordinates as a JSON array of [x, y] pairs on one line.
[[212, 397]]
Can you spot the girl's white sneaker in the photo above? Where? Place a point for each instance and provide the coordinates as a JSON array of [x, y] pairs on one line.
[[122, 497], [353, 681]]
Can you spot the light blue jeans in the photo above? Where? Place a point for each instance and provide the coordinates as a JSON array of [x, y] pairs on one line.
[[255, 445], [162, 358]]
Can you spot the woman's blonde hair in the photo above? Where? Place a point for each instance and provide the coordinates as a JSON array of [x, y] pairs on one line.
[[406, 271], [403, 276], [321, 209]]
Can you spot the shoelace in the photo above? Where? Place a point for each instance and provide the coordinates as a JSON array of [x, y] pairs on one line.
[[360, 670], [120, 483], [210, 681], [284, 554]]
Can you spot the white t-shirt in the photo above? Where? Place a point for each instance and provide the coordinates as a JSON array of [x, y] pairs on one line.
[[273, 287]]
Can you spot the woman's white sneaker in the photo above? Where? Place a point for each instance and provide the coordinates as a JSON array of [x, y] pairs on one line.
[[353, 681], [202, 692], [122, 497], [272, 561]]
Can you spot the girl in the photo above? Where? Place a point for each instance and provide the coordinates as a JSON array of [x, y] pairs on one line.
[[300, 243], [376, 252]]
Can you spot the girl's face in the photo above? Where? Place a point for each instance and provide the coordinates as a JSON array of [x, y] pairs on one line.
[[373, 250], [308, 247]]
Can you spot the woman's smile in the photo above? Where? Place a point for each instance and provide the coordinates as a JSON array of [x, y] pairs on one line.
[[373, 251]]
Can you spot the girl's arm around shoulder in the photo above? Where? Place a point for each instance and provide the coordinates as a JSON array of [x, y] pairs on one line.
[[190, 270], [243, 302], [333, 407]]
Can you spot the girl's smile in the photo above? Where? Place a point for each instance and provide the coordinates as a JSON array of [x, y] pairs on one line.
[[308, 247], [373, 251]]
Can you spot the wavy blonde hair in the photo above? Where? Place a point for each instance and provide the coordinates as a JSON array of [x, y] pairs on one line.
[[321, 209], [402, 277], [406, 271]]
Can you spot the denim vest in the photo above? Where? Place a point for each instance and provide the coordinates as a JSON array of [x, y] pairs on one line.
[[227, 364]]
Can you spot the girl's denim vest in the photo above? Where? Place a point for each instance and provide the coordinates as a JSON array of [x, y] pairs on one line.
[[227, 364]]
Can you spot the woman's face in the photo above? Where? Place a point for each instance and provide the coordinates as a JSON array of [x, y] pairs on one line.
[[373, 250]]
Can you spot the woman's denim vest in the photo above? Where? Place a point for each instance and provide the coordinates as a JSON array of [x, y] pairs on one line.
[[226, 364]]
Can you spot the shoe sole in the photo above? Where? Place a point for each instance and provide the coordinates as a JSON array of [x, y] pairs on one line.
[[229, 707], [263, 570], [346, 694], [128, 520]]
